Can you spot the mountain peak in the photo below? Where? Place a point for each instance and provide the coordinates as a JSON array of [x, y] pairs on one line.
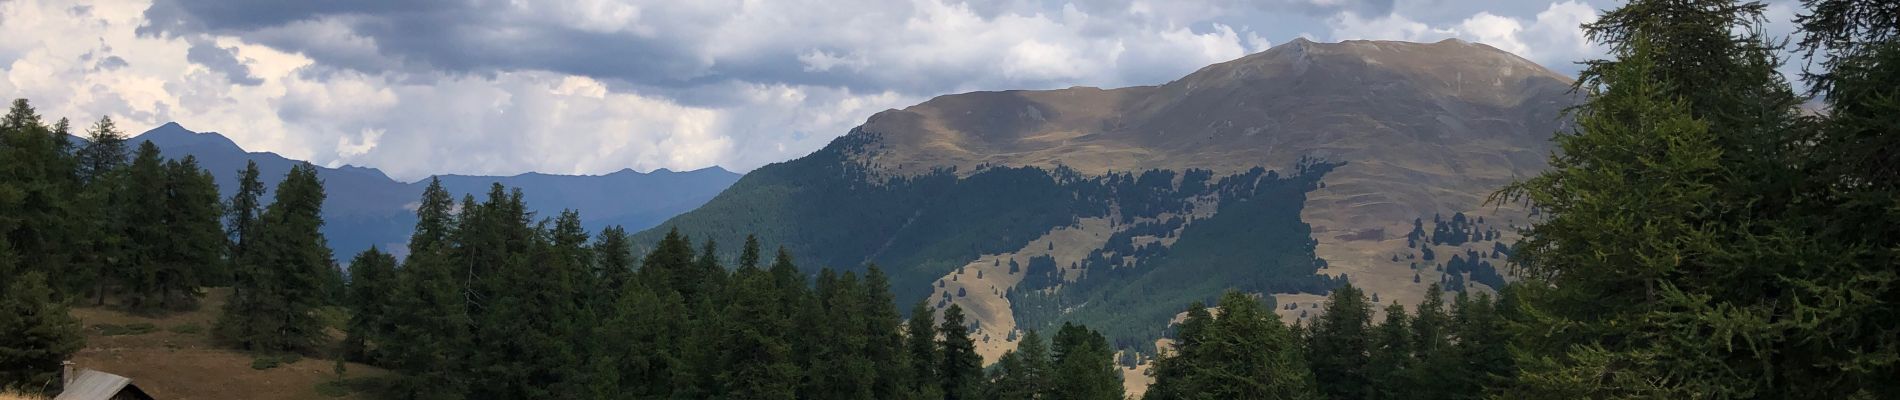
[[172, 136]]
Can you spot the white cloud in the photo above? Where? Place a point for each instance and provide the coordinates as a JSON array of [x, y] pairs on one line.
[[594, 86], [1552, 37]]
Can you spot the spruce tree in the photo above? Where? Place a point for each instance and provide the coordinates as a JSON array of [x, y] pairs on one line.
[[1340, 343], [1391, 357], [371, 285], [431, 344], [1245, 353], [288, 262], [103, 209], [196, 247], [1690, 123], [960, 370], [242, 211], [40, 218], [1178, 370], [641, 347], [36, 333], [884, 339], [758, 361], [920, 335], [1024, 373], [613, 261], [1084, 366], [145, 230]]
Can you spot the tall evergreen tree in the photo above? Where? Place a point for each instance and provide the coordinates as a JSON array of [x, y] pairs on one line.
[[104, 152], [41, 220], [1703, 298], [36, 333], [641, 346], [1245, 353], [431, 345], [960, 371], [920, 335], [884, 339], [758, 360], [288, 264], [1084, 366], [1391, 357], [1023, 373], [241, 226], [102, 207], [197, 245], [372, 280], [1339, 344], [613, 261], [1178, 370], [145, 230]]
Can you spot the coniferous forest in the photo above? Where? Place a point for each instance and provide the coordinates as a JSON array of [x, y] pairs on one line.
[[1699, 236]]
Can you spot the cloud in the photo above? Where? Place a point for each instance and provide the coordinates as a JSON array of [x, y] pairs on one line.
[[1552, 37], [592, 86], [223, 60]]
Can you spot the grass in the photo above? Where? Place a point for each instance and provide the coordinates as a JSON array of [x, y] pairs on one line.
[[137, 328], [179, 358], [187, 328], [265, 362]]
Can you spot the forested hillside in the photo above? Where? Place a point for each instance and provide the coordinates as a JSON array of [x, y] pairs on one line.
[[367, 208], [1274, 173], [1697, 236]]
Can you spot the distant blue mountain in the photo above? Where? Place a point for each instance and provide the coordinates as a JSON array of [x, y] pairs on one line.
[[366, 207]]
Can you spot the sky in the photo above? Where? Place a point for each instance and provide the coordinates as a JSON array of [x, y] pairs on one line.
[[499, 87]]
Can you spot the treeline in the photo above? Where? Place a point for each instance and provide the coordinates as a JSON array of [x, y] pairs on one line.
[[90, 219], [1241, 350], [96, 218], [490, 303], [1703, 236]]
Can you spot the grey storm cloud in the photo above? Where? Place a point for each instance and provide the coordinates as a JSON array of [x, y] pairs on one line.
[[419, 87], [223, 60], [667, 46]]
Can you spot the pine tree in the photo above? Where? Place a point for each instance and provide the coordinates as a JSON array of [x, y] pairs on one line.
[[40, 219], [1023, 373], [641, 348], [245, 206], [196, 247], [431, 345], [1391, 357], [1178, 368], [289, 261], [920, 334], [1084, 366], [1340, 343], [36, 333], [613, 261], [104, 153], [1246, 353], [960, 371], [102, 206], [758, 362], [884, 339], [372, 276], [671, 264], [1690, 123], [145, 230]]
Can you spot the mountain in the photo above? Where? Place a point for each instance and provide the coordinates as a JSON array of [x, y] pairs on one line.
[[366, 207], [1282, 173]]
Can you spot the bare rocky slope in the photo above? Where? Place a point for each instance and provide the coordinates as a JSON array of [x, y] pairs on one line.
[[1158, 185]]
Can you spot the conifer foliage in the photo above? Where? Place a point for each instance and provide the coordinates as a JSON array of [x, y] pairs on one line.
[[493, 302]]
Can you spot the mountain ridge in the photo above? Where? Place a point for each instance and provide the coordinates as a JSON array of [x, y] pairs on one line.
[[367, 208], [1336, 143]]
